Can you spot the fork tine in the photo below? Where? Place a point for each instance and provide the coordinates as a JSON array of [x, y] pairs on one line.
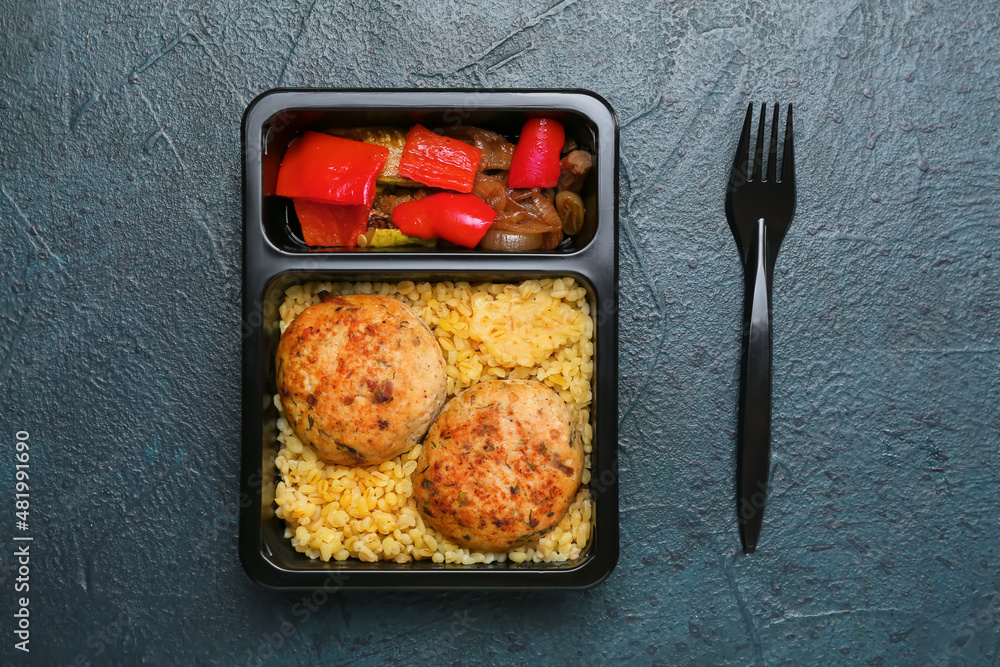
[[740, 167], [788, 159], [758, 154], [772, 151]]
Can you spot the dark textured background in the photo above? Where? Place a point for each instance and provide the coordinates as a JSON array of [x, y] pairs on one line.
[[119, 328]]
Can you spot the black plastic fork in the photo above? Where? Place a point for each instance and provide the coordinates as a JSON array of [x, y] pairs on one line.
[[759, 212]]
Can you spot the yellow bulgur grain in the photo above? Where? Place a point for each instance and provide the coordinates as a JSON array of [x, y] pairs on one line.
[[538, 329]]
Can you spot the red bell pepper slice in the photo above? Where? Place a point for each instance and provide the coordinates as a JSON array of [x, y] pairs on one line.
[[331, 224], [462, 219], [331, 169], [439, 162], [536, 157]]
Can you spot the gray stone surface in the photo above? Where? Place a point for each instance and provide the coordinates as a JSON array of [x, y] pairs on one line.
[[120, 329]]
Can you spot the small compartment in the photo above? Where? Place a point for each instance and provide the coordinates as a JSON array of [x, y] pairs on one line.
[[275, 120]]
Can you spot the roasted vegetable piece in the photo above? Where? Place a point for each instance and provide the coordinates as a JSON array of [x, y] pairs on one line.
[[527, 212], [330, 169], [388, 238], [492, 190], [439, 162], [497, 151], [497, 239], [570, 209], [574, 169], [536, 158], [551, 239], [330, 224], [461, 219], [414, 219], [392, 139], [381, 216]]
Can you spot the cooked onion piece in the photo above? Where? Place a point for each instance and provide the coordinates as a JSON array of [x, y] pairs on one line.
[[551, 239], [527, 212], [492, 190], [498, 239], [570, 209], [546, 211], [519, 222]]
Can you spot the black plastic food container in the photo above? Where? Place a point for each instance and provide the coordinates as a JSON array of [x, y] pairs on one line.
[[274, 258]]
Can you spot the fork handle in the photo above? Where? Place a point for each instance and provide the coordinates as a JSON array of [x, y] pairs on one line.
[[753, 444]]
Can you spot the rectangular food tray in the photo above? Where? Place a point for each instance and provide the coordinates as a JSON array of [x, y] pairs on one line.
[[275, 258]]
